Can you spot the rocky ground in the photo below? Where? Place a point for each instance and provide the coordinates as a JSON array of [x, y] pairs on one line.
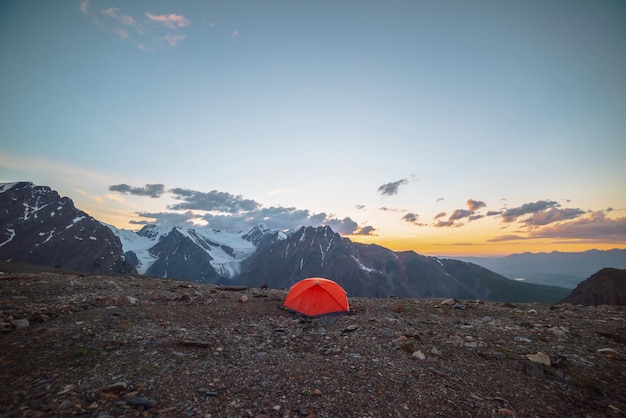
[[103, 346]]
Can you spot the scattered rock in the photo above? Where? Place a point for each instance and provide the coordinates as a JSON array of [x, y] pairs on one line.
[[20, 323], [610, 353], [539, 358], [350, 328], [189, 349]]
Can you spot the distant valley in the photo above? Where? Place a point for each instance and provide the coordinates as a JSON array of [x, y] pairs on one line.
[[562, 269]]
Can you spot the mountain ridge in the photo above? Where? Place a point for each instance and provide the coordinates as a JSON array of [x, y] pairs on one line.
[[257, 257]]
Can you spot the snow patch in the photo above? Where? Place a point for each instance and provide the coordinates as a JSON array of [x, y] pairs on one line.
[[12, 232], [361, 266]]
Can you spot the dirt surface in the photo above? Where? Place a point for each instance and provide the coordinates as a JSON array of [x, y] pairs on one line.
[[104, 346]]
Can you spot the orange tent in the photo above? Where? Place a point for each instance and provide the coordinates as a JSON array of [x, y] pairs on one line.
[[316, 296]]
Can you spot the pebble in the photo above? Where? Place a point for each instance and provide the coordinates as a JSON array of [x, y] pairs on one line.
[[20, 323], [610, 353], [539, 358]]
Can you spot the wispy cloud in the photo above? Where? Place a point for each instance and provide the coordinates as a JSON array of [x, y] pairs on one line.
[[170, 20], [152, 36], [114, 13], [173, 40], [84, 6], [235, 33]]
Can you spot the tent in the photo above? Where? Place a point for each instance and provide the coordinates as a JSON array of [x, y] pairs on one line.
[[316, 296]]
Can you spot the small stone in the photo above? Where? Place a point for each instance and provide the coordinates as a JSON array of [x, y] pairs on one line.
[[128, 300], [447, 302], [20, 323], [115, 387], [506, 412], [419, 355], [140, 401], [317, 392], [539, 358], [409, 348], [610, 353], [457, 341], [244, 299], [350, 328]]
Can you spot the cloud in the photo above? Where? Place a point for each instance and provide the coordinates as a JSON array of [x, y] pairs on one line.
[[359, 207], [460, 214], [511, 215], [222, 210], [123, 33], [502, 238], [235, 33], [169, 20], [551, 215], [114, 13], [152, 190], [366, 230], [211, 201], [595, 227], [167, 219], [474, 205], [413, 218], [410, 217], [439, 199], [84, 6], [390, 189], [446, 224], [347, 226], [172, 39]]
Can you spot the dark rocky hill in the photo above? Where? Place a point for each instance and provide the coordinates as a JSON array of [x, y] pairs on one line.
[[375, 271], [606, 287], [40, 227]]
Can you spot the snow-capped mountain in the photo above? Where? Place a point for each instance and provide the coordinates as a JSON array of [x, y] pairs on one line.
[[199, 254]]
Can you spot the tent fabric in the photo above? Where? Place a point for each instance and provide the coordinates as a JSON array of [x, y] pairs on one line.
[[317, 296]]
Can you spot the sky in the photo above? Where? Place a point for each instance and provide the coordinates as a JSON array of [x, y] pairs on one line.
[[443, 127]]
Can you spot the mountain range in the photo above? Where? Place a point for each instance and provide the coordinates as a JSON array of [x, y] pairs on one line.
[[38, 226]]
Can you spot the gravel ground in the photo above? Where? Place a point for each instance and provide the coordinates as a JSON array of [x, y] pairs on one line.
[[104, 346]]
